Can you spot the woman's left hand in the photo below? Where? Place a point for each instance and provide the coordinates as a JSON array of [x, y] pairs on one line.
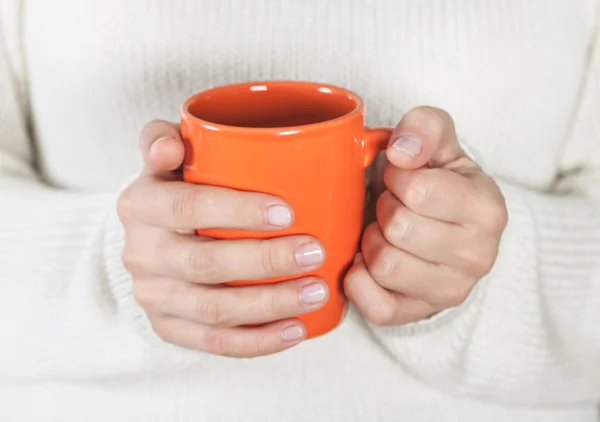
[[438, 227]]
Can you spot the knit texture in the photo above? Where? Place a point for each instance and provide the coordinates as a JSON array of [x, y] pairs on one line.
[[78, 79]]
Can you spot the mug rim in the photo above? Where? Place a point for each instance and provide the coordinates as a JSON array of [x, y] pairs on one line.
[[283, 130]]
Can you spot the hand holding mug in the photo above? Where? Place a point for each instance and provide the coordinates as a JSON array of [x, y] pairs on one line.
[[178, 277], [438, 229], [278, 255]]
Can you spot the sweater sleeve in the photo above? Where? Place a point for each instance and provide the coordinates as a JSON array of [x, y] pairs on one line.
[[61, 278], [530, 331]]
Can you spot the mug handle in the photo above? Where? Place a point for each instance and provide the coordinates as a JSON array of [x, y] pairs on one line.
[[374, 140]]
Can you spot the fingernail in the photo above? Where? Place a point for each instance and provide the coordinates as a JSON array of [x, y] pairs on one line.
[[292, 333], [358, 258], [313, 294], [309, 254], [158, 141], [278, 215], [408, 144]]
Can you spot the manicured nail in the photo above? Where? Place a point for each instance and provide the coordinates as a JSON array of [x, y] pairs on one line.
[[408, 144], [312, 294], [292, 333], [278, 215], [309, 254]]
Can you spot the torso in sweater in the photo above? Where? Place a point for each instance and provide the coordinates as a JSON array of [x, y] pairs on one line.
[[510, 73]]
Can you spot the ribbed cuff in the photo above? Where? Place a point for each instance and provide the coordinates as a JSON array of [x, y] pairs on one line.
[[119, 279]]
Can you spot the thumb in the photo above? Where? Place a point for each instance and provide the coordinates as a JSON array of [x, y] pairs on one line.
[[161, 147], [425, 136]]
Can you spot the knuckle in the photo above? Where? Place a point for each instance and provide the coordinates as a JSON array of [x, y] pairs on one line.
[[132, 261], [381, 315], [385, 264], [497, 216], [143, 296], [443, 118], [185, 204], [215, 342], [454, 294], [482, 266], [370, 234], [420, 192], [352, 285], [274, 259], [471, 260], [126, 205], [349, 286], [163, 330], [478, 257], [431, 117], [398, 227], [272, 304], [260, 345], [203, 262], [209, 310]]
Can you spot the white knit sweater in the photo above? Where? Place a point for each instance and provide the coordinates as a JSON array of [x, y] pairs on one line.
[[78, 79]]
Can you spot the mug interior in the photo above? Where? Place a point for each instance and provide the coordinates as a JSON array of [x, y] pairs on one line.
[[272, 104]]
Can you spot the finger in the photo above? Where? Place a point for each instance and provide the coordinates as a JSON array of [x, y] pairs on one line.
[[401, 272], [222, 261], [426, 135], [434, 193], [231, 342], [166, 154], [184, 206], [435, 241], [232, 306], [378, 305], [379, 165], [161, 147], [447, 196]]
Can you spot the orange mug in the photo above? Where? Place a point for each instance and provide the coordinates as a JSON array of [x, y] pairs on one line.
[[304, 142]]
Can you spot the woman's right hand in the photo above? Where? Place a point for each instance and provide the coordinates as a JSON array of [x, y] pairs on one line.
[[178, 277]]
